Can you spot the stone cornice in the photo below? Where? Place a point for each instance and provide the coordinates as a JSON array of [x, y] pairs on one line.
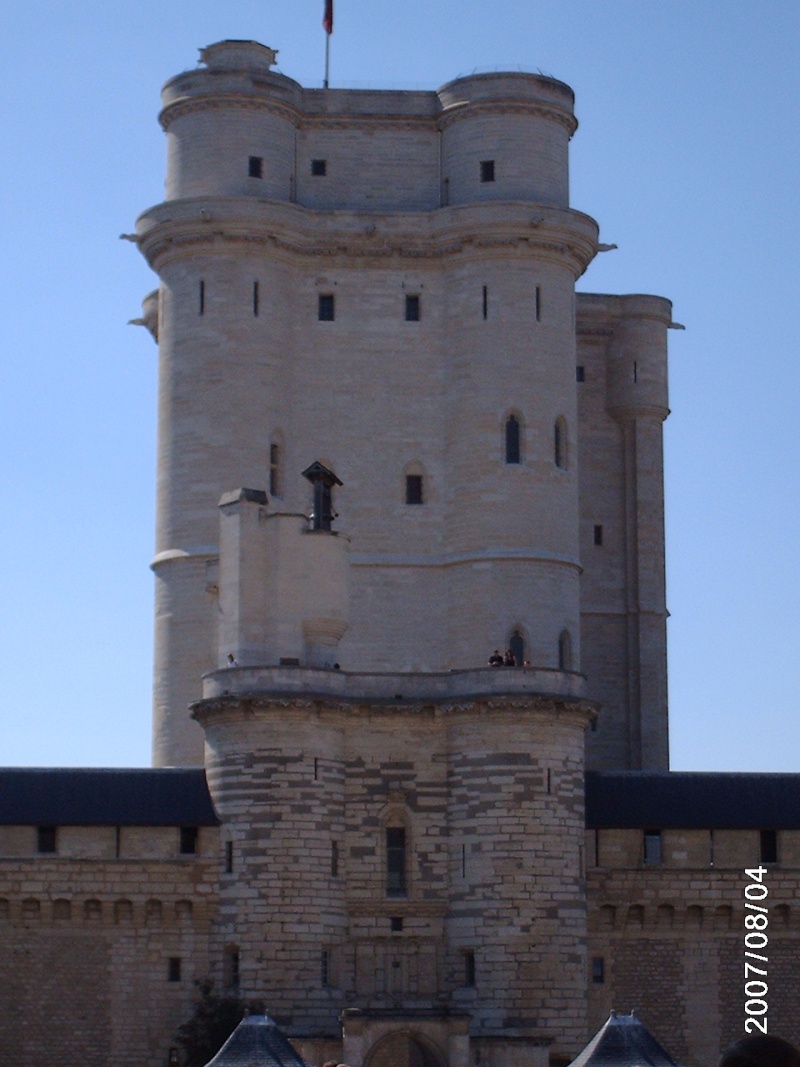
[[179, 228], [248, 705], [541, 110], [239, 101]]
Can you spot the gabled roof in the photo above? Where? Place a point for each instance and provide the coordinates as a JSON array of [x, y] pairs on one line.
[[257, 1042], [169, 796], [623, 1041], [689, 800]]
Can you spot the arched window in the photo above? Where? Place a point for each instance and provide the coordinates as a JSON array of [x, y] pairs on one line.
[[62, 909], [560, 443], [564, 651], [93, 910], [513, 449], [516, 643]]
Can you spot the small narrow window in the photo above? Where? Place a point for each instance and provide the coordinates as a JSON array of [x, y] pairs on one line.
[[469, 968], [188, 842], [412, 308], [769, 846], [46, 839], [255, 167], [319, 168], [445, 192], [316, 768], [414, 489], [487, 170], [516, 643], [549, 781], [580, 374], [635, 371], [652, 848], [229, 857], [564, 651], [202, 299], [598, 969], [485, 302], [255, 299], [324, 968], [334, 859], [275, 469], [560, 443], [598, 534], [396, 924], [231, 968], [395, 861], [326, 309], [512, 439], [174, 969], [463, 861], [538, 303]]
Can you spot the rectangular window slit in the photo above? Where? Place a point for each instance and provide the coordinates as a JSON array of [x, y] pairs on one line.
[[202, 298], [652, 848], [188, 841], [538, 302], [414, 489], [486, 302], [319, 168], [598, 534], [487, 170], [469, 968], [395, 861], [769, 846], [324, 968], [580, 374], [255, 299], [174, 969], [334, 859], [46, 839], [598, 969], [255, 167], [326, 308], [412, 308], [229, 857]]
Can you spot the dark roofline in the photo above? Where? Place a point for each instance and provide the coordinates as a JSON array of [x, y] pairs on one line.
[[692, 800], [42, 796]]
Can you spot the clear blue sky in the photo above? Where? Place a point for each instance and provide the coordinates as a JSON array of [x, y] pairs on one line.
[[687, 154]]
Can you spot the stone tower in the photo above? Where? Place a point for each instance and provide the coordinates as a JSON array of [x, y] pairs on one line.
[[385, 282]]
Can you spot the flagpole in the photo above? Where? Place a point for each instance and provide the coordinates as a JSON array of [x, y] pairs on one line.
[[327, 25]]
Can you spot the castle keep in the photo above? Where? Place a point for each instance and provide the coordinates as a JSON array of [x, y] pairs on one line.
[[392, 438]]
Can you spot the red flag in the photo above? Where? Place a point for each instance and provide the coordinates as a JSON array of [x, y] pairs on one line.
[[327, 18]]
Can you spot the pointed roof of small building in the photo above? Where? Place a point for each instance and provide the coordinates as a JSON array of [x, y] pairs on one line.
[[623, 1041], [257, 1042]]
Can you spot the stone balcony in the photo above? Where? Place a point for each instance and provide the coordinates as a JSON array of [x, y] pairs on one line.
[[393, 688]]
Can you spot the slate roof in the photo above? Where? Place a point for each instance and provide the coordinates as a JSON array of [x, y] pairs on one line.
[[690, 800], [257, 1042], [623, 1041], [168, 796]]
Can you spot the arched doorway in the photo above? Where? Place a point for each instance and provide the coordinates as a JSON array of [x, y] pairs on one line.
[[403, 1050]]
